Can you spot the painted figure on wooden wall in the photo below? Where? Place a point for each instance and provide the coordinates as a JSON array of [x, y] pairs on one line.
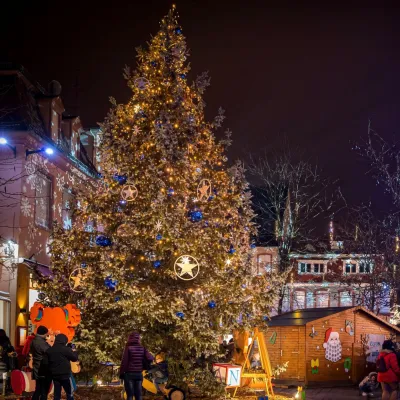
[[332, 346]]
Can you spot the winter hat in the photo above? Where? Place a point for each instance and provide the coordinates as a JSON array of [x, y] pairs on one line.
[[327, 334], [134, 338], [42, 330], [388, 345], [61, 339]]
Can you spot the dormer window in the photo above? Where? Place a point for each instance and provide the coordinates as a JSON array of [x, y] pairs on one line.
[[311, 267]]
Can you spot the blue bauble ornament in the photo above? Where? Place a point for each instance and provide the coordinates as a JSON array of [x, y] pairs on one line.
[[178, 30], [171, 192], [180, 314], [153, 63], [253, 246], [206, 224], [110, 283], [182, 76], [121, 179], [83, 265], [195, 215], [211, 198], [212, 304], [265, 318], [123, 202], [117, 299], [231, 249], [157, 264], [103, 241], [159, 236]]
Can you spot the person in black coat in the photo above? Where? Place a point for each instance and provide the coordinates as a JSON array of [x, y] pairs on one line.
[[40, 370], [60, 357]]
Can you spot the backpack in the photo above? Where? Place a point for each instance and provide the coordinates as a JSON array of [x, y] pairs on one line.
[[381, 365]]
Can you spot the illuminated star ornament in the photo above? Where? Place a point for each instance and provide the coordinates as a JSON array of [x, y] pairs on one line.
[[158, 226], [186, 268], [129, 192], [77, 279], [141, 83], [204, 189]]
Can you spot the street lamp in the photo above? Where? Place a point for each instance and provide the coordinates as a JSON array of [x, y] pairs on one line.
[[48, 150], [3, 142]]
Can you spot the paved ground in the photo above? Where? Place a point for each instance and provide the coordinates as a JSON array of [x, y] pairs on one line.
[[339, 393]]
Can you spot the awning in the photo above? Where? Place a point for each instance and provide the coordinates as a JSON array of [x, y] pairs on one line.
[[41, 269]]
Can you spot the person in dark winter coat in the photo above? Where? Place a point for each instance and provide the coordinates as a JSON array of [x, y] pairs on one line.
[[60, 357], [40, 370], [132, 366], [6, 348], [389, 379]]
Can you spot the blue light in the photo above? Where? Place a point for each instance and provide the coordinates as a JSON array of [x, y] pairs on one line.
[[49, 151], [3, 140]]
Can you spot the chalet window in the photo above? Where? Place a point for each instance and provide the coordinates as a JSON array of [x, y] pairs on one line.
[[322, 299], [299, 299], [42, 200], [351, 268], [68, 205], [345, 299], [264, 263]]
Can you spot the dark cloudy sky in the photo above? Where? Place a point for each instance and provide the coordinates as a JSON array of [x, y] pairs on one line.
[[312, 73]]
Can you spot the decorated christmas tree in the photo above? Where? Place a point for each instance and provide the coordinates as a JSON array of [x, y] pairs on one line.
[[164, 245]]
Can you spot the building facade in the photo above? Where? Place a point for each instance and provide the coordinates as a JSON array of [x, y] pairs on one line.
[[45, 158], [328, 279]]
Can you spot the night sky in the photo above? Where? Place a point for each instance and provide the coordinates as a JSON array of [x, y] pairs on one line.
[[312, 74]]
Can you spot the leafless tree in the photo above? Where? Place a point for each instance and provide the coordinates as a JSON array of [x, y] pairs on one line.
[[290, 196], [366, 236]]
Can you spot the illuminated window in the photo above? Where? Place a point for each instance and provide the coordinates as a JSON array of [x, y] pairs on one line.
[[264, 263], [310, 300], [345, 299], [365, 267], [42, 200], [68, 206], [322, 299]]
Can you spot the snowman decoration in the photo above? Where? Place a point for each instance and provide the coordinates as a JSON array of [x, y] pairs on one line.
[[332, 346]]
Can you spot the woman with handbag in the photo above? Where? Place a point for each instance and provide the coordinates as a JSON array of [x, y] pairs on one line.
[[135, 360]]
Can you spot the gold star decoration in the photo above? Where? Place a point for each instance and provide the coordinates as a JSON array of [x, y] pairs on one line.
[[186, 268], [76, 279], [204, 189], [129, 192]]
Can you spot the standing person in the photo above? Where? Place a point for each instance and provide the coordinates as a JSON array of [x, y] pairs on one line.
[[60, 357], [133, 364], [388, 371], [40, 365]]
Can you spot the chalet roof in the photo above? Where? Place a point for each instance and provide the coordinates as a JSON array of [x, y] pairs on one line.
[[302, 317]]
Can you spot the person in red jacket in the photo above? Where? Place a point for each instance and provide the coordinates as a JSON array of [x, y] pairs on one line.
[[389, 379]]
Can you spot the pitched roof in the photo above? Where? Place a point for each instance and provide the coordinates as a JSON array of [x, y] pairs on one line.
[[302, 317]]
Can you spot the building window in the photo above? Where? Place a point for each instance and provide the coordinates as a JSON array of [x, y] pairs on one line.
[[310, 300], [299, 299], [345, 299], [5, 316], [364, 267], [42, 200], [68, 206], [264, 263], [322, 299], [311, 268], [351, 268]]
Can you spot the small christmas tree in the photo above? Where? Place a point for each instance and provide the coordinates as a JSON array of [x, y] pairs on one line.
[[163, 246]]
